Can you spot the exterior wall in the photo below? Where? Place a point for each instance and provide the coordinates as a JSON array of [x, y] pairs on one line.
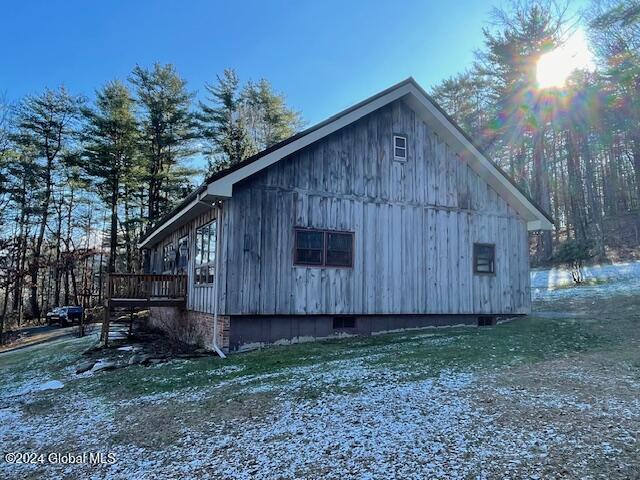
[[189, 327], [200, 297], [248, 332], [414, 222]]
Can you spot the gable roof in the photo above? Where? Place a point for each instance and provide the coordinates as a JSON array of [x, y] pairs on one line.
[[220, 184]]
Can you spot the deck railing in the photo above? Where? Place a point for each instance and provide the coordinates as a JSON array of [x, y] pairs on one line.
[[146, 286]]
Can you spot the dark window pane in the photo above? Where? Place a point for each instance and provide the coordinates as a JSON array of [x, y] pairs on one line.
[[311, 257], [484, 258], [309, 247], [310, 239], [401, 142], [339, 241], [400, 153], [212, 241], [339, 249], [339, 259]]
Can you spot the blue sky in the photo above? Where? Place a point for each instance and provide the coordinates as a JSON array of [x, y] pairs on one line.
[[324, 55]]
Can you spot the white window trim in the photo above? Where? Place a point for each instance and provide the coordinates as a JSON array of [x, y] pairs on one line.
[[405, 148]]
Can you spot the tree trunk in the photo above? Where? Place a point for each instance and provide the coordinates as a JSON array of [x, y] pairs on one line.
[[541, 184], [113, 230], [34, 267], [576, 195]]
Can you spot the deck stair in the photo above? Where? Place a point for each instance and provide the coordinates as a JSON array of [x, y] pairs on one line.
[[128, 295]]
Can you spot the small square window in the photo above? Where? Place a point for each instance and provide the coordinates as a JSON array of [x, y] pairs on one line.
[[484, 258], [400, 148]]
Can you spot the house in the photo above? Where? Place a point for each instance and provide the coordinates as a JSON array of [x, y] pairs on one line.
[[385, 216]]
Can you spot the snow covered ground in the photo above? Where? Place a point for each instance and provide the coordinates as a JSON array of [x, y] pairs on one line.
[[550, 397]]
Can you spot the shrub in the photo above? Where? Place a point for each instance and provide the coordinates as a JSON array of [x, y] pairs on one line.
[[574, 253]]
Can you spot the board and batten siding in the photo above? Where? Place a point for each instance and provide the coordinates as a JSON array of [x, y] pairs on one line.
[[414, 225]]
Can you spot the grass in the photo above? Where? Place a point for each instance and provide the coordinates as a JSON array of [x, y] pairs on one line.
[[152, 407], [417, 354]]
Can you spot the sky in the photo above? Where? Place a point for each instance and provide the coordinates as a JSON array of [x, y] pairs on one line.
[[324, 55]]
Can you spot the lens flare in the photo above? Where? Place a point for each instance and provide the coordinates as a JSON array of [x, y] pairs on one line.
[[556, 66]]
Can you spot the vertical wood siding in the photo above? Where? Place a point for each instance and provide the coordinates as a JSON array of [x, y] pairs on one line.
[[415, 223]]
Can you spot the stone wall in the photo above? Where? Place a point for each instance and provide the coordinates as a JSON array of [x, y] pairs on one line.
[[192, 328]]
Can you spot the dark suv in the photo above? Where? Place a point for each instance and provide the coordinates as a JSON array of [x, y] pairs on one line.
[[65, 315]]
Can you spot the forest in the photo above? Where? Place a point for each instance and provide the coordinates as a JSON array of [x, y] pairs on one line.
[[83, 175]]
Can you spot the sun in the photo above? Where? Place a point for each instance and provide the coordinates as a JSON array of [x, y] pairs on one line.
[[554, 67]]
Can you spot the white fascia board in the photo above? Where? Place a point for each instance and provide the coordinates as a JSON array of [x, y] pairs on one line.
[[224, 186], [483, 167], [168, 225]]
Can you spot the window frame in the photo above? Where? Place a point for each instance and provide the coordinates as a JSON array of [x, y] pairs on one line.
[[492, 264], [405, 148], [168, 258], [182, 268], [209, 265], [295, 247], [325, 247]]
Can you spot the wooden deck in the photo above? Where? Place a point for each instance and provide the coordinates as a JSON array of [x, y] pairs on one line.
[[132, 291], [146, 290]]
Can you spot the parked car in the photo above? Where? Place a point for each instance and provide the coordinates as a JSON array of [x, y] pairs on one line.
[[66, 315]]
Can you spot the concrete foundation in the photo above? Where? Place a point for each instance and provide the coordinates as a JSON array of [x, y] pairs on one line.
[[253, 331]]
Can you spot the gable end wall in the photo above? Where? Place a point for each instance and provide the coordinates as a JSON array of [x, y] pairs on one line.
[[415, 224]]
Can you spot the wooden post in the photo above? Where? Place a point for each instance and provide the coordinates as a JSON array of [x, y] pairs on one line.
[[130, 323]]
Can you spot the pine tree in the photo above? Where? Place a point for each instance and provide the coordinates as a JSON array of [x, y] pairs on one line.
[[46, 125], [524, 33], [222, 124], [167, 133], [110, 140], [268, 118]]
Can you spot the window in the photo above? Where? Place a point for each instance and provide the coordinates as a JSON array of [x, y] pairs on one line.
[[339, 249], [400, 148], [205, 258], [168, 258], [323, 248], [309, 247], [484, 258], [344, 321], [182, 254]]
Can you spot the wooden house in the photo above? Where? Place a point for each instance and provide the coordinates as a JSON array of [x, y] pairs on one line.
[[385, 216]]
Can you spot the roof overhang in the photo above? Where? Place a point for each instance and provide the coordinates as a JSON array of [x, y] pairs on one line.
[[221, 185], [183, 215]]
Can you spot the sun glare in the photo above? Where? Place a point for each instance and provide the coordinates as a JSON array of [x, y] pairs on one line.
[[555, 67]]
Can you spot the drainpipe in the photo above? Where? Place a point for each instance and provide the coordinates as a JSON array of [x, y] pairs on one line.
[[217, 281]]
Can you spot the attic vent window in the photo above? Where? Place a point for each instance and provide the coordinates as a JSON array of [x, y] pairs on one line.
[[400, 148]]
